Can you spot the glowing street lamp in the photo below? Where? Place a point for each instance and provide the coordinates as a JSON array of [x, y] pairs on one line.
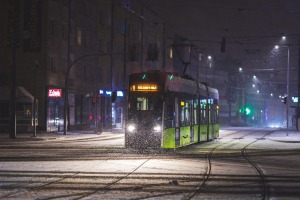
[[287, 82]]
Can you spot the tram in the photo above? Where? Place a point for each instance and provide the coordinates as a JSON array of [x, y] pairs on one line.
[[168, 111]]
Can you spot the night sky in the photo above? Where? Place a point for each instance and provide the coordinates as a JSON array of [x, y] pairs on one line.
[[251, 28]]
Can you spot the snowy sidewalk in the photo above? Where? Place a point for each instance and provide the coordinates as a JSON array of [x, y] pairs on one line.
[[283, 135], [54, 135]]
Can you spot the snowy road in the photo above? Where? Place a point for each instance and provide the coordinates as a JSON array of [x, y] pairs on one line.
[[241, 164]]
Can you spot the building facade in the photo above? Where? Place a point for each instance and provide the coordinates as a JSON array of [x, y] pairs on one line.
[[85, 48]]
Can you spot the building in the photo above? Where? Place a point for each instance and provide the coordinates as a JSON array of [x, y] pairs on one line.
[[87, 47]]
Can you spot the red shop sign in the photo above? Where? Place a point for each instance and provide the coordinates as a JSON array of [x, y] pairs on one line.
[[55, 93]]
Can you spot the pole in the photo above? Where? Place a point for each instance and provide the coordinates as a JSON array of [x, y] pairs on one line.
[[13, 86], [298, 104], [112, 33], [67, 76], [287, 92], [34, 99]]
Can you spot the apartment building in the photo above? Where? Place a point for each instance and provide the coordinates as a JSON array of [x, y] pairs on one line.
[[85, 48]]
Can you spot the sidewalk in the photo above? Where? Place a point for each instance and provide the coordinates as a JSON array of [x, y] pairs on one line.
[[43, 135], [280, 135], [284, 135]]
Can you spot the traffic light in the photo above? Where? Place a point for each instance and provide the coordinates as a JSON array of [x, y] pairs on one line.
[[247, 111], [113, 96], [283, 100]]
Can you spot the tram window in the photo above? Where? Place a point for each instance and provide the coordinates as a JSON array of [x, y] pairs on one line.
[[203, 115], [210, 117], [170, 112], [195, 112], [176, 113], [185, 117], [187, 114], [182, 117], [169, 119], [142, 103]]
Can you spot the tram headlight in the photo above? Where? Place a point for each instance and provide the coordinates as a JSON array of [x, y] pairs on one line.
[[157, 128], [130, 127]]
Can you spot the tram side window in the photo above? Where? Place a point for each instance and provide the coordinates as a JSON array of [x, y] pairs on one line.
[[213, 115], [203, 115], [195, 108], [185, 117], [169, 117]]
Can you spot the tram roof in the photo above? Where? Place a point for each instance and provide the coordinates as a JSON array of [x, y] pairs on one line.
[[179, 84]]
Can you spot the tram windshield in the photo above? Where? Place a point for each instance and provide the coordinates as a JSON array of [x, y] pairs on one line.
[[145, 103]]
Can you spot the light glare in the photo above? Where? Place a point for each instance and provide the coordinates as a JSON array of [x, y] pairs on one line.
[[131, 128]]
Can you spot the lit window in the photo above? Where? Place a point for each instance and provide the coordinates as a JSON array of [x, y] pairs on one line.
[[79, 37], [171, 53]]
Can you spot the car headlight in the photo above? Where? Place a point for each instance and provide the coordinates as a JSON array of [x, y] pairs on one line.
[[157, 128], [130, 128]]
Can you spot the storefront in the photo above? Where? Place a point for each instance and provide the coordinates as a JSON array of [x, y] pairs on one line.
[[24, 110], [55, 110]]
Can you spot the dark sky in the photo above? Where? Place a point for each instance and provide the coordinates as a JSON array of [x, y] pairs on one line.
[[251, 27], [246, 24]]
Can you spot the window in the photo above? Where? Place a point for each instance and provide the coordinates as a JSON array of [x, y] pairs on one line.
[[51, 65], [51, 27], [79, 37], [152, 52], [171, 53], [203, 114], [85, 72], [185, 114], [65, 31], [100, 45], [142, 103], [132, 53]]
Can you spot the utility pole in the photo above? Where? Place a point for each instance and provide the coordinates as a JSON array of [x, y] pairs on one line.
[[35, 68], [112, 33], [13, 87], [66, 110], [298, 111]]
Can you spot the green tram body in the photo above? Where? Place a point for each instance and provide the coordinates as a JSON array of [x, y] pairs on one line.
[[168, 111]]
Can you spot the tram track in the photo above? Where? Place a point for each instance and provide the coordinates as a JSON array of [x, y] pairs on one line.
[[205, 176], [209, 155], [139, 180], [29, 188]]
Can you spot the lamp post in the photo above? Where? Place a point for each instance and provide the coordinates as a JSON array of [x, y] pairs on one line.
[[287, 91], [34, 69], [287, 86], [209, 60]]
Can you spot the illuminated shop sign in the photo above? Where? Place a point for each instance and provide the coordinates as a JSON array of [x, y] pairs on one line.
[[56, 93], [105, 92], [108, 93], [295, 99], [120, 94]]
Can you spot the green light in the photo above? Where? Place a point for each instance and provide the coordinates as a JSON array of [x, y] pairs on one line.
[[248, 111], [144, 76], [171, 77]]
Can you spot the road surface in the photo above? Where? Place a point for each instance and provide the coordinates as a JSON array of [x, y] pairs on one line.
[[241, 164]]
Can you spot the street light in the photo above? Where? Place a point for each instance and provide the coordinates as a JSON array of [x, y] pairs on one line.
[[209, 61], [287, 84]]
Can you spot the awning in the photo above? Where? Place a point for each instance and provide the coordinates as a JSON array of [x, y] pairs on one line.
[[22, 95]]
